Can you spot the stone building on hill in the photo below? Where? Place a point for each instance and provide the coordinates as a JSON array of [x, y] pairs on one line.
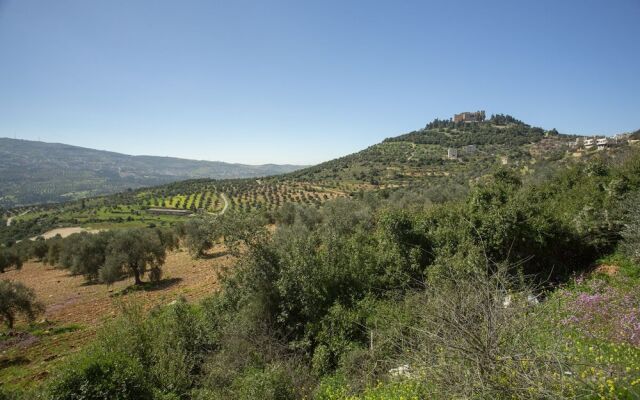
[[469, 117]]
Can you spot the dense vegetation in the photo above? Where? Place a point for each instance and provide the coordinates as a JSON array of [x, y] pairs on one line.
[[416, 161], [382, 296], [391, 273]]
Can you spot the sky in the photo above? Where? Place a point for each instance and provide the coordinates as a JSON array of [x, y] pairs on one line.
[[306, 81]]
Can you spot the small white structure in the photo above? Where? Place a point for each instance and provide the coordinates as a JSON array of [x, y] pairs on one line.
[[589, 143], [602, 143], [452, 154], [401, 371], [470, 149]]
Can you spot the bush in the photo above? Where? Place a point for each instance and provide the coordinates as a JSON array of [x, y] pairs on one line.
[[481, 336], [101, 375], [631, 231], [170, 345], [271, 383]]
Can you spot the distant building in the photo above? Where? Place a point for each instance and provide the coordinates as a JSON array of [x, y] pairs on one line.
[[470, 149], [452, 154], [168, 211], [469, 117], [589, 143], [602, 143]]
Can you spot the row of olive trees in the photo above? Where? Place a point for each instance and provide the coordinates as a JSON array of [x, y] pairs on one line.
[[109, 255]]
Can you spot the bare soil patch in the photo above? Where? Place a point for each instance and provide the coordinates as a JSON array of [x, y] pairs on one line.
[[64, 232], [610, 270]]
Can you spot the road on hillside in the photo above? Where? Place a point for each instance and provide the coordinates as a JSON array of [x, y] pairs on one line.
[[226, 203], [10, 219], [224, 209]]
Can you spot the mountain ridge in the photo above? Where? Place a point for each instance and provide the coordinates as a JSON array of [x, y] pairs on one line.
[[40, 172]]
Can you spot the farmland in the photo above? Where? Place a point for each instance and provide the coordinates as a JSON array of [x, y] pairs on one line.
[[415, 161], [308, 280], [75, 310]]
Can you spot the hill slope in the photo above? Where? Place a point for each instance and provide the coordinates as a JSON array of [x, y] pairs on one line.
[[416, 162], [37, 172]]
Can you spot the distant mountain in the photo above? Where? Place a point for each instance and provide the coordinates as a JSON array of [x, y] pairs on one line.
[[37, 172]]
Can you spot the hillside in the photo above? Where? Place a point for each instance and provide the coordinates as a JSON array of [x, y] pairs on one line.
[[418, 161], [523, 230], [519, 286], [37, 172]]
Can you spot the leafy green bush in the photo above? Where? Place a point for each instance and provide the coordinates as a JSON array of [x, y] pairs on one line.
[[271, 383], [101, 375]]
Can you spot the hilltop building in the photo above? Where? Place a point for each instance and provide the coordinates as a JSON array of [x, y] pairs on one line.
[[588, 143], [468, 117], [452, 154], [602, 143]]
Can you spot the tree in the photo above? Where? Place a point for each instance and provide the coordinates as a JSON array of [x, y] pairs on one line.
[[39, 248], [90, 254], [9, 258], [135, 252], [199, 236], [16, 298]]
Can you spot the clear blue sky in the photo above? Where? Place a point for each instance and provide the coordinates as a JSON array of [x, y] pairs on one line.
[[306, 81]]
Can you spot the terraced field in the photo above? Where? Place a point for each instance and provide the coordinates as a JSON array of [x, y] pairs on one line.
[[418, 159]]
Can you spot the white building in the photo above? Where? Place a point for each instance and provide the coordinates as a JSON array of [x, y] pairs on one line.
[[452, 153], [602, 143], [589, 143]]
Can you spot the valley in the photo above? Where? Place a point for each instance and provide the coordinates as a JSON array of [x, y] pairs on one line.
[[37, 172]]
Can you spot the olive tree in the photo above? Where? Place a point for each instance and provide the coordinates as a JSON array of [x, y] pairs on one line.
[[198, 235], [133, 252], [16, 298], [9, 258], [90, 254]]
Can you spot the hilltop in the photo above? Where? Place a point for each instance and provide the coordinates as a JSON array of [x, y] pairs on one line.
[[37, 172]]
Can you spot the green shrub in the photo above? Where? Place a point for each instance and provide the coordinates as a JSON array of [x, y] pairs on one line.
[[101, 375], [271, 383], [631, 231]]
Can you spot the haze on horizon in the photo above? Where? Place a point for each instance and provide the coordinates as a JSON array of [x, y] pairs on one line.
[[287, 82]]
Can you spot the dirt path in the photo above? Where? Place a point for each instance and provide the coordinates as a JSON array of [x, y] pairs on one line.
[[64, 232], [10, 219], [226, 203], [224, 209]]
